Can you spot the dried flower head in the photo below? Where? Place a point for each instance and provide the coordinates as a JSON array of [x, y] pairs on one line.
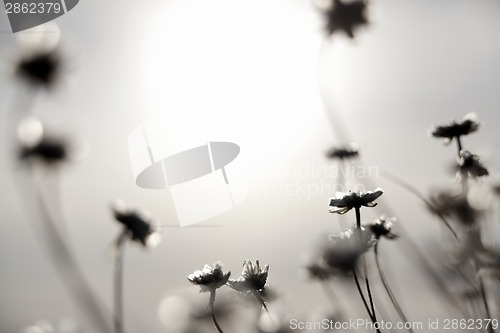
[[456, 129], [343, 252], [210, 279], [343, 152], [344, 202], [37, 144], [346, 16], [139, 226], [252, 281], [469, 165], [382, 227], [253, 277]]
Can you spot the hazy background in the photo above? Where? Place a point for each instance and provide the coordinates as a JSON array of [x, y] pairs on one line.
[[264, 69]]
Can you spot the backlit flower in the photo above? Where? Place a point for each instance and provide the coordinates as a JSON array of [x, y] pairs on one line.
[[382, 227], [470, 165], [343, 152], [344, 202], [457, 128], [252, 281], [343, 252], [37, 144], [453, 203], [346, 16], [210, 279], [137, 225]]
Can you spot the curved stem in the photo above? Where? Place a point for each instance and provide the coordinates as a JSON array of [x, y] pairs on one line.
[[419, 195], [118, 283], [211, 305], [356, 280], [388, 289], [370, 298]]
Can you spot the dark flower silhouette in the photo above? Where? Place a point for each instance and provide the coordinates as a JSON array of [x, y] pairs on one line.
[[344, 202], [137, 225], [210, 279], [343, 152], [346, 16], [341, 255], [456, 129], [41, 67], [470, 165], [382, 227], [36, 144]]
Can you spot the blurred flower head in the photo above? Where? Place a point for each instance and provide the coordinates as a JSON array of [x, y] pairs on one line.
[[346, 16], [344, 202], [138, 225], [341, 255], [40, 57], [457, 128], [40, 68], [343, 152], [210, 279], [37, 144], [317, 269], [469, 165], [453, 203], [382, 227]]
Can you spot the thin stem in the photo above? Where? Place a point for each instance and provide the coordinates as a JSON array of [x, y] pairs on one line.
[[388, 289], [459, 145], [118, 283], [370, 297], [358, 217], [364, 300], [211, 305], [70, 273], [485, 302]]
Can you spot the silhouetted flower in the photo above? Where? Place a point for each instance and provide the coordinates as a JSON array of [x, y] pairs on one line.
[[342, 253], [346, 16], [453, 203], [383, 227], [210, 279], [137, 225], [343, 152], [344, 202], [36, 144], [470, 165], [456, 129], [41, 67]]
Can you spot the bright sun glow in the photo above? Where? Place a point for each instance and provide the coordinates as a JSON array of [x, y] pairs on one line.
[[247, 72]]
